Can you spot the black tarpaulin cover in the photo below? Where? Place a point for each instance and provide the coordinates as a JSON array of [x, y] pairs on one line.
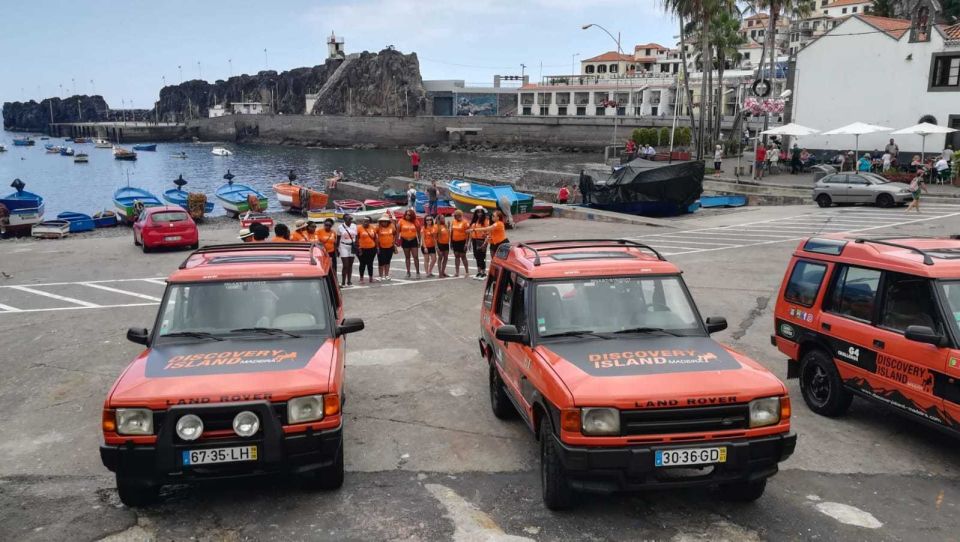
[[679, 183]]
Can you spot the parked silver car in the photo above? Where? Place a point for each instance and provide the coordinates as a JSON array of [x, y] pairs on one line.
[[859, 188]]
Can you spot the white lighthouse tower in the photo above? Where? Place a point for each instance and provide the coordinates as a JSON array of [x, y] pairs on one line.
[[335, 47]]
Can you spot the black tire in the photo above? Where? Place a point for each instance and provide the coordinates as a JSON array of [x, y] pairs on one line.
[[821, 386], [557, 493], [824, 200], [136, 493], [144, 247], [743, 491], [499, 401], [885, 200], [328, 478]]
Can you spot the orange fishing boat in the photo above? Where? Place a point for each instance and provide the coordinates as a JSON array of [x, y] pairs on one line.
[[296, 197]]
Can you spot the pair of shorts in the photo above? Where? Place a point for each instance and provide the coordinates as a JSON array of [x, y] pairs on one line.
[[443, 247], [430, 250], [760, 164], [416, 167], [384, 255], [460, 247], [562, 200], [716, 165], [409, 243], [345, 250]]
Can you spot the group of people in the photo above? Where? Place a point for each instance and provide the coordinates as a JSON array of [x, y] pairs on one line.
[[641, 151], [432, 236]]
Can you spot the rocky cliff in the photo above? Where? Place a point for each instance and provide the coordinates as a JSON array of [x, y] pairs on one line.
[[34, 116]]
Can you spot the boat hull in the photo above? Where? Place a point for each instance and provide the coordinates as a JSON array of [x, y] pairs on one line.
[[291, 197], [125, 198], [105, 219], [233, 198], [148, 148], [24, 217], [79, 222], [520, 209], [179, 197], [51, 229]]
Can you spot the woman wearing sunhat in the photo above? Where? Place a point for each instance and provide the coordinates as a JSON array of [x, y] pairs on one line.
[[386, 245], [410, 239], [497, 231], [300, 234], [366, 247], [347, 232], [478, 237], [328, 238]]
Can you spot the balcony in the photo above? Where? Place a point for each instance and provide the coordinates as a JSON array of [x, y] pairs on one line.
[[608, 79]]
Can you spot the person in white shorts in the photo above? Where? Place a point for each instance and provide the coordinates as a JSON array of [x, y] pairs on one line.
[[347, 233]]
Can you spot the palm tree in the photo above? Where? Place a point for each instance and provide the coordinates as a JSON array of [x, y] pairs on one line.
[[776, 8], [688, 10], [726, 40]]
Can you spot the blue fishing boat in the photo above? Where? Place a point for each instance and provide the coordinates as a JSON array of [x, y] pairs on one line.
[[150, 147], [78, 221], [124, 200], [105, 219], [66, 151], [177, 196], [467, 195], [26, 208], [23, 142], [236, 197], [444, 206]]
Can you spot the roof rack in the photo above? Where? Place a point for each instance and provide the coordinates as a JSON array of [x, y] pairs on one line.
[[585, 243], [927, 260], [253, 247]]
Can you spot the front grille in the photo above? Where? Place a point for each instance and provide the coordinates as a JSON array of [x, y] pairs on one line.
[[684, 420], [214, 420]]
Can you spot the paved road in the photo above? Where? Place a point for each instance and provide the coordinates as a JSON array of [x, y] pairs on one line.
[[426, 459]]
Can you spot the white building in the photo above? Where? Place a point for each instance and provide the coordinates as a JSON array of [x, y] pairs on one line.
[[250, 108], [844, 8], [335, 48], [217, 111], [891, 72]]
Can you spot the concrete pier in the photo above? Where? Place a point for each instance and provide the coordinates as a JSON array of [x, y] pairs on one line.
[[124, 132]]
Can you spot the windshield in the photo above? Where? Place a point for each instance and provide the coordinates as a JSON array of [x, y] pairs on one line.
[[951, 298], [611, 305], [169, 216], [226, 308]]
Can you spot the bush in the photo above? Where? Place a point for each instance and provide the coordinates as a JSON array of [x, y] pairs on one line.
[[683, 137], [664, 136], [637, 136]]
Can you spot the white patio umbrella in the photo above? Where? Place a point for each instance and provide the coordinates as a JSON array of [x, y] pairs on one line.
[[857, 129], [923, 130], [792, 130]]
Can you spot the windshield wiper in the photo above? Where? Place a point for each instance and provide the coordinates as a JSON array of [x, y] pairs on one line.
[[648, 330], [574, 333], [193, 334], [266, 330]]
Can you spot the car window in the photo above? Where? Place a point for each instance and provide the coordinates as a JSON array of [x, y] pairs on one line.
[[950, 291], [489, 288], [169, 216], [804, 283], [505, 298], [908, 301], [835, 179], [854, 292], [518, 310]]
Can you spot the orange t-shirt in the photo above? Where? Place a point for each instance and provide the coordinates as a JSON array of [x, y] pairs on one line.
[[277, 239], [328, 239], [458, 228], [483, 224], [408, 229], [499, 233], [298, 237], [443, 234], [430, 236], [365, 237], [386, 235]]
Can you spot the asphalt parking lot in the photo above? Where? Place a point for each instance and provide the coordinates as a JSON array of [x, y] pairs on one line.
[[425, 458]]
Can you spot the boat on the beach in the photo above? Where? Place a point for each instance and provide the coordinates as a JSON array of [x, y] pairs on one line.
[[319, 215], [23, 142], [294, 196], [371, 204], [24, 208], [126, 198], [249, 218], [179, 196], [102, 144], [237, 198], [120, 153], [105, 219], [348, 205], [467, 195], [79, 222], [444, 206], [50, 229], [220, 151], [81, 158], [644, 187], [145, 147], [67, 151], [394, 196]]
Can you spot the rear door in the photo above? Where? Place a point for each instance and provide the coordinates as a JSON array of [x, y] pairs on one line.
[[514, 359], [837, 187], [849, 310], [858, 189]]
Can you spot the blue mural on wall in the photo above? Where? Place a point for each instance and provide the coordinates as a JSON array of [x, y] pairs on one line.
[[480, 105]]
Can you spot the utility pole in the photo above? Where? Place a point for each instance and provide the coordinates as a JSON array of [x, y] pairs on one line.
[[573, 57], [199, 71], [180, 67], [523, 67], [266, 63], [230, 62]]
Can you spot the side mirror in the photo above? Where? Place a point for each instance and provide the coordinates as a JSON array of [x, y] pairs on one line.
[[510, 334], [923, 334], [349, 325], [138, 335], [715, 324]]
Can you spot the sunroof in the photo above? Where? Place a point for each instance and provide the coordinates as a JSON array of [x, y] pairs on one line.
[[260, 258], [566, 256], [944, 253], [833, 247]]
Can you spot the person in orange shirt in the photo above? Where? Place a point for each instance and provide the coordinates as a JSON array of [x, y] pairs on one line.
[[458, 242], [478, 236], [300, 234], [429, 244], [328, 238], [386, 245], [410, 239], [366, 247], [443, 246], [497, 232], [281, 233]]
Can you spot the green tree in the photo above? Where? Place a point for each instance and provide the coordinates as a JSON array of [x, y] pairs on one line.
[[664, 136], [637, 136], [726, 40], [882, 8]]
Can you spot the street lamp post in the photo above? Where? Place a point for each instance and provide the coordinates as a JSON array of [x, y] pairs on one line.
[[573, 64], [266, 62], [617, 79], [199, 71]]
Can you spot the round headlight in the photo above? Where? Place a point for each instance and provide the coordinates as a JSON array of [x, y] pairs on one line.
[[246, 424], [190, 427]]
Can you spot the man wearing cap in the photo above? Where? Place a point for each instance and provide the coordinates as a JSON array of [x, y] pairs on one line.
[[299, 234]]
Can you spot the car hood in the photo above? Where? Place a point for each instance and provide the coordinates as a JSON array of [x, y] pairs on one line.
[[658, 372], [224, 371]]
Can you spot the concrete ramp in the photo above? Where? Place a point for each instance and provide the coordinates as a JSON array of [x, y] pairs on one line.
[[332, 81]]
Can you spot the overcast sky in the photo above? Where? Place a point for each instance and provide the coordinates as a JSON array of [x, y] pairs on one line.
[[125, 47]]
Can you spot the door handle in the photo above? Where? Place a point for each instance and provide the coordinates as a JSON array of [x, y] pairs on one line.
[[878, 343], [825, 326]]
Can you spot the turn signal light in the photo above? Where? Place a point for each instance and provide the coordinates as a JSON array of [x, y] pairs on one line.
[[785, 408], [570, 420], [108, 422], [331, 404]]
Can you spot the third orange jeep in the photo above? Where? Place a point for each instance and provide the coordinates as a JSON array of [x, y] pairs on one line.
[[599, 347]]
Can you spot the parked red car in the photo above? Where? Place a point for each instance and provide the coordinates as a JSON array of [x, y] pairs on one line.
[[167, 226]]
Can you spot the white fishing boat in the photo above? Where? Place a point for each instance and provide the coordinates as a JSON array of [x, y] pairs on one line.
[[102, 144], [51, 229], [220, 151]]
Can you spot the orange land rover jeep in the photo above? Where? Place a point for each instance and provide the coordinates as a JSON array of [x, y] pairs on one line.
[[599, 347], [242, 375], [876, 317]]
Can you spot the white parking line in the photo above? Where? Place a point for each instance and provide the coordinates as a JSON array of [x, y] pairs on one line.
[[154, 280], [8, 308], [55, 296], [119, 291], [160, 282], [56, 309]]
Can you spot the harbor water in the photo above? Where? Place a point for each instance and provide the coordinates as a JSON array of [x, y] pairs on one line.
[[88, 188]]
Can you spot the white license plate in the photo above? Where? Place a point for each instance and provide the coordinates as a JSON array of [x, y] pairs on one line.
[[172, 238], [219, 455], [690, 456]]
